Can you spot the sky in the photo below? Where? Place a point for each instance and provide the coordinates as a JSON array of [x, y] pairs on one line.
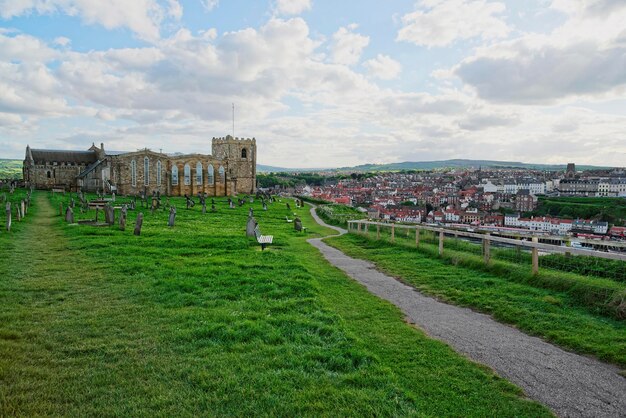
[[319, 83]]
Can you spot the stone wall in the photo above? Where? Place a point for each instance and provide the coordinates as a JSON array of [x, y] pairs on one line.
[[121, 173]]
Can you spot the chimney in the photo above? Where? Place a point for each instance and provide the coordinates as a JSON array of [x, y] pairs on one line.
[[101, 146]]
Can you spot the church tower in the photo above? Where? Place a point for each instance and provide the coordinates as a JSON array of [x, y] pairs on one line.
[[240, 157]]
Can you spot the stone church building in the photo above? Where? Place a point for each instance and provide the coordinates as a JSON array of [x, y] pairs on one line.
[[231, 169]]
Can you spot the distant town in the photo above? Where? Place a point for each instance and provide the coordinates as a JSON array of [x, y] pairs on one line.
[[504, 199]]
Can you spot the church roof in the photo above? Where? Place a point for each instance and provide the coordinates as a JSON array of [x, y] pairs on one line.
[[63, 156]]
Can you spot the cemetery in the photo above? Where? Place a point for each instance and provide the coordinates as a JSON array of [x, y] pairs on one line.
[[144, 306]]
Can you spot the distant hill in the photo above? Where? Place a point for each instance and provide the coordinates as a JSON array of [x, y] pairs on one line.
[[10, 169], [431, 165]]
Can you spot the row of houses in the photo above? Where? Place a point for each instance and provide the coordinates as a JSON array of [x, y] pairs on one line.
[[556, 226]]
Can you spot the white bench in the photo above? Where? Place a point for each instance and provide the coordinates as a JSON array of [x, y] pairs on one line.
[[262, 239]]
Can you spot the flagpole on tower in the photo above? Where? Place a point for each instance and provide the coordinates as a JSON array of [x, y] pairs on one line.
[[233, 120]]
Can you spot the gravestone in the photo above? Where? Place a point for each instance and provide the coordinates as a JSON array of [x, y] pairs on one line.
[[288, 206], [8, 209], [17, 212], [113, 197], [190, 202], [231, 204], [172, 219], [251, 199], [23, 208], [250, 226], [297, 224], [250, 212], [69, 215], [264, 205], [203, 206], [132, 205], [123, 215], [109, 215], [138, 224], [213, 208]]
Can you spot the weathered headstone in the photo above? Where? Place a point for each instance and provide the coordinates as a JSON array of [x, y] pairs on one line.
[[109, 215], [264, 205], [172, 218], [231, 205], [8, 209], [23, 208], [17, 213], [69, 215], [213, 208], [203, 206], [113, 197], [123, 215], [250, 226], [251, 199], [297, 224], [250, 212], [138, 224]]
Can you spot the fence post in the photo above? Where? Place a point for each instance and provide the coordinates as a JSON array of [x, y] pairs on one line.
[[487, 248], [377, 231], [408, 232], [393, 232], [535, 256], [358, 227], [367, 230], [441, 242], [417, 236]]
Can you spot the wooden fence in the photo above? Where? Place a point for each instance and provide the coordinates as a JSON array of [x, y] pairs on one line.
[[534, 246]]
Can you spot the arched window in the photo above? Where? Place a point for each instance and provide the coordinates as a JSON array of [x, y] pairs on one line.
[[133, 173], [174, 175], [210, 175], [159, 167], [222, 174], [199, 173], [146, 171], [187, 173], [244, 153]]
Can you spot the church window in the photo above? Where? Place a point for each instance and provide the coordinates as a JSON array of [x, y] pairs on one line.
[[146, 171], [222, 174], [133, 173], [244, 153], [199, 173], [49, 175], [187, 173], [210, 178], [174, 175], [158, 173]]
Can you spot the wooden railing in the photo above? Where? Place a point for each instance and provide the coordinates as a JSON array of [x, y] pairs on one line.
[[363, 226]]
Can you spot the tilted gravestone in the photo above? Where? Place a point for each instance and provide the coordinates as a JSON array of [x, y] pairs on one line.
[[297, 224], [69, 215], [8, 209], [250, 212], [288, 206], [123, 215], [250, 226], [17, 212], [23, 203], [138, 224], [172, 219]]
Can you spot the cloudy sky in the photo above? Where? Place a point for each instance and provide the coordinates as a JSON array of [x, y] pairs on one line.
[[319, 83]]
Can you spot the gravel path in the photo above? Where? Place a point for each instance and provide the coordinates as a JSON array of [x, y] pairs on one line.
[[570, 384]]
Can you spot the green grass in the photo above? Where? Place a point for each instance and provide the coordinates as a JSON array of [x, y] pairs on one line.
[[554, 315], [610, 209], [10, 169], [196, 320]]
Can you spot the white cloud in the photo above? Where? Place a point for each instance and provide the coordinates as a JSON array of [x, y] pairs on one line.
[[383, 67], [174, 9], [209, 4], [62, 41], [347, 46], [142, 17], [438, 23], [292, 7]]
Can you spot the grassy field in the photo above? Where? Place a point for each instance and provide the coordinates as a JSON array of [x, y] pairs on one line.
[[511, 296], [608, 209], [10, 169], [196, 320]]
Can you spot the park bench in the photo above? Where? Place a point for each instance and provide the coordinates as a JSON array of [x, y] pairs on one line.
[[262, 239]]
